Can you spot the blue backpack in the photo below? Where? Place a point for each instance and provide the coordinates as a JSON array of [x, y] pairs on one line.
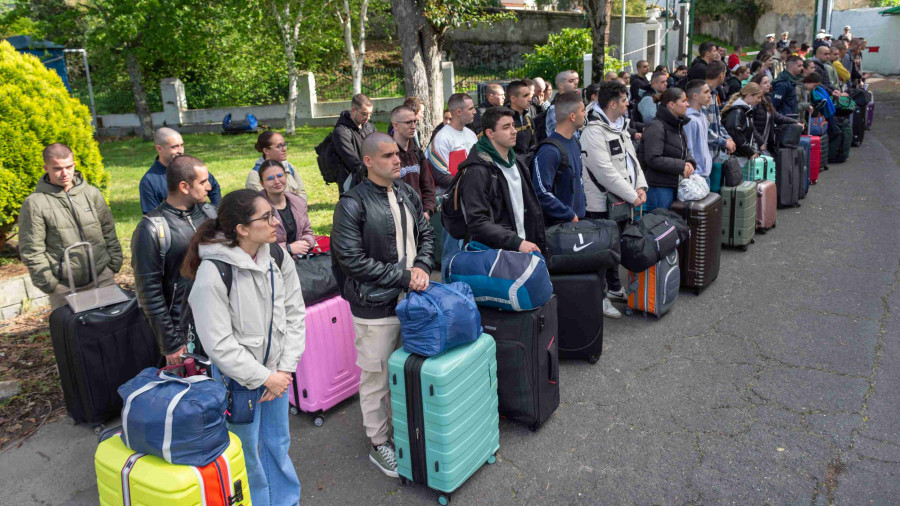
[[440, 318], [181, 420], [508, 280]]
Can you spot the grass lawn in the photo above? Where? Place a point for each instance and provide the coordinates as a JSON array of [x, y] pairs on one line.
[[229, 158]]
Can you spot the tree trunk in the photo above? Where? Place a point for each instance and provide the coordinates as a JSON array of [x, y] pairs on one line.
[[140, 95], [289, 120], [289, 28], [420, 46], [597, 13]]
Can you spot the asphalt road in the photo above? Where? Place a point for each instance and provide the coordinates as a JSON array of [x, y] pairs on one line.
[[778, 385]]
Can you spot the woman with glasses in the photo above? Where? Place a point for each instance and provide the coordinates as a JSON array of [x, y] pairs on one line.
[[294, 232], [252, 325], [273, 147]]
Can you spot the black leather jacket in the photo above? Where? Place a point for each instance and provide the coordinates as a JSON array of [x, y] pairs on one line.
[[738, 122], [364, 246], [160, 288]]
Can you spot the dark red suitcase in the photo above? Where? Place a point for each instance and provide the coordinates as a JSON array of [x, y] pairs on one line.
[[701, 254]]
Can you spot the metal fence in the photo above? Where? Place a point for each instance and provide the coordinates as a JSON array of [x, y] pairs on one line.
[[376, 83], [467, 79]]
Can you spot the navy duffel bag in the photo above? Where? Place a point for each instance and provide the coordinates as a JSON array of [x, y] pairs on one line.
[[181, 420], [439, 318]]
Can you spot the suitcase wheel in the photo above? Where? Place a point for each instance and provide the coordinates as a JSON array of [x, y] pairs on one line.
[[744, 248], [814, 181], [493, 458], [99, 428], [443, 499], [533, 428], [774, 224], [319, 420], [294, 411], [761, 231], [798, 204], [403, 481], [593, 359]]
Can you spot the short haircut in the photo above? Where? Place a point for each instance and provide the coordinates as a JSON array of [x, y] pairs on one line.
[[609, 76], [670, 95], [514, 89], [658, 74], [839, 44], [808, 64], [539, 82], [822, 50], [57, 151], [715, 69], [372, 143], [414, 103], [804, 47], [528, 82], [813, 78], [457, 101], [566, 104], [694, 87], [624, 73], [493, 89], [492, 115], [706, 47], [608, 92], [641, 62], [794, 59], [737, 48], [182, 168], [592, 90], [162, 135], [562, 76], [680, 68], [395, 112], [359, 101]]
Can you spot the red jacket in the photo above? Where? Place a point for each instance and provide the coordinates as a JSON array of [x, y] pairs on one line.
[[734, 60]]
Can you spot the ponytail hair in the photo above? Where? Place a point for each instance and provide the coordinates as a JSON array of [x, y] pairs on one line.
[[236, 208], [670, 95], [750, 88], [264, 139]]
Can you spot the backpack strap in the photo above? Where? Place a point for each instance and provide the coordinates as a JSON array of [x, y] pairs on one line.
[[163, 235], [225, 269], [563, 162]]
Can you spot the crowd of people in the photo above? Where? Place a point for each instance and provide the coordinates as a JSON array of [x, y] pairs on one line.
[[522, 160]]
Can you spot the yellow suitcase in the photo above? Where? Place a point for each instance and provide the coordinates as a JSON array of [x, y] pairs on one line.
[[125, 477]]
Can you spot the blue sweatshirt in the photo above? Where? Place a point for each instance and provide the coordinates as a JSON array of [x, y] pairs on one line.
[[153, 188], [568, 201], [698, 142]]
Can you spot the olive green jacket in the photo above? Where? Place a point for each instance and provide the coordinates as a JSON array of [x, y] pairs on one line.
[[51, 220]]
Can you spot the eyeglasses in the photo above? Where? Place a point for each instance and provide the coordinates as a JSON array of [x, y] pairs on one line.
[[270, 218], [411, 123], [273, 177], [280, 147]]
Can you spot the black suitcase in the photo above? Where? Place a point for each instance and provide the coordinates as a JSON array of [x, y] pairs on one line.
[[859, 126], [580, 314], [527, 361], [787, 176], [96, 352], [803, 163]]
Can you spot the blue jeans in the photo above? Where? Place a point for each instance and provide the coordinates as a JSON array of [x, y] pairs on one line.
[[451, 247], [270, 472], [658, 196]]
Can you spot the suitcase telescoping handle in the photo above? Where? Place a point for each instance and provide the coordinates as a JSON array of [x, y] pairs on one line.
[[68, 265]]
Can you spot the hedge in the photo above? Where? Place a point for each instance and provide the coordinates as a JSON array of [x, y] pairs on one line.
[[36, 110]]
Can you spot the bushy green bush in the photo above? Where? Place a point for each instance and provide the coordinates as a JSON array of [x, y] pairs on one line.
[[36, 110], [563, 50]]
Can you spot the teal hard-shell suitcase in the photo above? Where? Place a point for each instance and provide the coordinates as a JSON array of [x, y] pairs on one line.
[[761, 168], [445, 414]]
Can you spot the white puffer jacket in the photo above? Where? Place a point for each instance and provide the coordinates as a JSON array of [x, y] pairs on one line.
[[603, 152], [234, 329]]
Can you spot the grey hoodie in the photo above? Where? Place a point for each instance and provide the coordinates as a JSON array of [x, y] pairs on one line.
[[234, 329], [605, 147]]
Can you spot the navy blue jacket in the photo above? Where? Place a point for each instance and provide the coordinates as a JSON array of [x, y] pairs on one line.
[[567, 200], [784, 94], [153, 188]]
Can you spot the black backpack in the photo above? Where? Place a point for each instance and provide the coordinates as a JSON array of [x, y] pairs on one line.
[[646, 242], [528, 160], [540, 126], [328, 160]]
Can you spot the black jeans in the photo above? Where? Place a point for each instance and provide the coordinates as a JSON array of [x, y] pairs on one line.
[[612, 275]]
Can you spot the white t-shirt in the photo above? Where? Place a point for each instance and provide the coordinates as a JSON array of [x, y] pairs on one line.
[[450, 148], [514, 180]]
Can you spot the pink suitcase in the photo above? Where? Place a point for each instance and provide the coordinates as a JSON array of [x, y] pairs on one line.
[[327, 374], [766, 205]]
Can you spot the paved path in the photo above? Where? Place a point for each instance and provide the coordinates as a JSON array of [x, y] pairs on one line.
[[777, 385]]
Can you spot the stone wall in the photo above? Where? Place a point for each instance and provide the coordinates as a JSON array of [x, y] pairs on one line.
[[15, 292]]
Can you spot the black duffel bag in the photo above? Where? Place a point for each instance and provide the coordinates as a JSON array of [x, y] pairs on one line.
[[732, 175], [789, 135], [649, 240], [317, 281], [583, 246]]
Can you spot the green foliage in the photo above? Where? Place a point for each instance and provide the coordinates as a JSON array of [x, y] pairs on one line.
[[36, 110], [447, 14], [743, 9], [564, 50], [884, 3], [632, 8]]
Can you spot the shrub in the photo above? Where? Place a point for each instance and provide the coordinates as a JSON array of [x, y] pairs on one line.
[[563, 50], [36, 110]]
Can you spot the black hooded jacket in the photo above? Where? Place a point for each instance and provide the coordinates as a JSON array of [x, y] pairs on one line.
[[664, 150], [738, 122], [348, 139]]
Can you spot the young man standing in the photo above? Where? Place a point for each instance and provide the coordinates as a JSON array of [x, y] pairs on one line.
[[414, 169], [382, 243], [494, 96], [64, 210], [519, 101], [153, 186], [639, 82], [158, 247], [611, 167], [698, 66], [734, 59], [699, 97], [784, 88], [498, 199], [351, 129], [717, 137], [566, 81], [647, 105], [559, 187]]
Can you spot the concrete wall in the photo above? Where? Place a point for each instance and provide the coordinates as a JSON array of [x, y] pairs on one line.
[[18, 291], [879, 31], [794, 16]]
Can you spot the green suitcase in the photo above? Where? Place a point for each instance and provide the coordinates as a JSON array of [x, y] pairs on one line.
[[445, 414], [739, 214], [761, 168]]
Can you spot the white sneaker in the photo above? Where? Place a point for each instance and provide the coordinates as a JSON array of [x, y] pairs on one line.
[[616, 294], [609, 310]]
